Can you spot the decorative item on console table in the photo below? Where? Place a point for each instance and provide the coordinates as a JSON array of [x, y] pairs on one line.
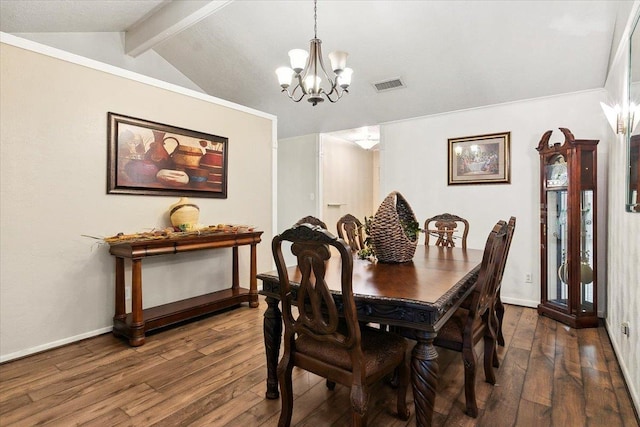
[[394, 230], [184, 214]]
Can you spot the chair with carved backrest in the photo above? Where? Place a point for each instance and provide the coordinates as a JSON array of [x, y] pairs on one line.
[[350, 229], [469, 325], [499, 307], [309, 219], [445, 229], [316, 340]]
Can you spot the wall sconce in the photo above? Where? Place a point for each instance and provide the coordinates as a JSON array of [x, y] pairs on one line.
[[614, 117], [634, 116]]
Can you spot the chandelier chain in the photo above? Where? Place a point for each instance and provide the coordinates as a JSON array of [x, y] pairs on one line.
[[315, 19]]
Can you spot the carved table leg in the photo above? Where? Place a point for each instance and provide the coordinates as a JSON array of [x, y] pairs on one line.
[[272, 337], [120, 314], [137, 320], [253, 281], [424, 377]]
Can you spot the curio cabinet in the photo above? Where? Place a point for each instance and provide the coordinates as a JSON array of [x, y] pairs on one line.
[[568, 206]]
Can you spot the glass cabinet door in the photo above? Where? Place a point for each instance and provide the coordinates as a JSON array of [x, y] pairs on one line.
[[557, 241], [586, 251]]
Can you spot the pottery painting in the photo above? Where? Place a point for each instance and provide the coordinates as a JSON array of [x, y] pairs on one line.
[[153, 158]]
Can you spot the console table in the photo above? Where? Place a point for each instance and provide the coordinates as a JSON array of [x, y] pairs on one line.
[[134, 325]]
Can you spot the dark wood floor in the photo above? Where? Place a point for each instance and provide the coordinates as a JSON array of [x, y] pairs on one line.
[[212, 373]]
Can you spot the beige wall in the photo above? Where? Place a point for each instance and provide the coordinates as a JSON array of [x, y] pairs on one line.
[[347, 181], [57, 286]]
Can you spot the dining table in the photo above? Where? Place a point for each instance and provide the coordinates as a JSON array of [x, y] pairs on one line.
[[419, 296]]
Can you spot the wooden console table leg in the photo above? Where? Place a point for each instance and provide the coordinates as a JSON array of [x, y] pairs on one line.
[[253, 281], [424, 377], [235, 285], [120, 313], [137, 321], [272, 337]]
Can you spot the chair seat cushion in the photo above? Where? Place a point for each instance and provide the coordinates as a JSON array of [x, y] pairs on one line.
[[379, 348], [451, 334]]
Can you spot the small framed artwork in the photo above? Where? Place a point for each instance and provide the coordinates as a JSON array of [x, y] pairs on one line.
[[156, 159], [481, 159]]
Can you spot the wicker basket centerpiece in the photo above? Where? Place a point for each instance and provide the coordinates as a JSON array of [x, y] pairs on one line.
[[394, 230]]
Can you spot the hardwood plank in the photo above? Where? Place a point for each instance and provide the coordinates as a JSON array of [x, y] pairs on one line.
[[68, 414], [591, 353], [538, 382], [112, 417], [14, 403], [525, 331], [305, 404], [625, 408], [533, 414], [329, 411], [227, 412], [568, 393], [209, 403], [198, 384], [600, 400], [502, 407]]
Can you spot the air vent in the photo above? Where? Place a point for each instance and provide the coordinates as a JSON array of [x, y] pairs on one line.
[[389, 84]]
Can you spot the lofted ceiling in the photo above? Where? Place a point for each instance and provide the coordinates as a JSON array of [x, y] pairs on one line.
[[451, 55]]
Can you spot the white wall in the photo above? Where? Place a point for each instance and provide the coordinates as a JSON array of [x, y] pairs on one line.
[[623, 296], [413, 161], [57, 286], [109, 48]]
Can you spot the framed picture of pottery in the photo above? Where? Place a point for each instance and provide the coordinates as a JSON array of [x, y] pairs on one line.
[[156, 159], [480, 159]]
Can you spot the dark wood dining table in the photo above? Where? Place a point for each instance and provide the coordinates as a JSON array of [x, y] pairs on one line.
[[419, 296]]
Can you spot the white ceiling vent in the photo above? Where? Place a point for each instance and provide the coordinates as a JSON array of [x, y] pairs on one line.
[[389, 84]]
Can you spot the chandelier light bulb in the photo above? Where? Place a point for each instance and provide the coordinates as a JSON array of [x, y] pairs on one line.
[[345, 78], [298, 58], [338, 61], [285, 75], [312, 84]]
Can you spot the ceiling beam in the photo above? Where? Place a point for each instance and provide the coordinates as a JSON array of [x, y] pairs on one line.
[[167, 22]]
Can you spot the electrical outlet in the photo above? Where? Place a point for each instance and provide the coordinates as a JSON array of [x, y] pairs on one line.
[[625, 328], [527, 278], [127, 293]]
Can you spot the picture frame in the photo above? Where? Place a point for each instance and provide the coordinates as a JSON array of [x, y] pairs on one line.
[[480, 159], [151, 158]]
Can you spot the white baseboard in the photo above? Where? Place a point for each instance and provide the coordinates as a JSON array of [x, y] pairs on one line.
[[625, 370], [520, 302], [54, 344]]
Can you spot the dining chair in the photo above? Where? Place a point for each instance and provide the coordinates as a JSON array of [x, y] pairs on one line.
[[446, 230], [309, 219], [469, 325], [314, 337], [350, 229], [499, 307]]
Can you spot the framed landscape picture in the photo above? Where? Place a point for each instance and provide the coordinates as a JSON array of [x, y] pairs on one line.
[[156, 159], [481, 159]]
